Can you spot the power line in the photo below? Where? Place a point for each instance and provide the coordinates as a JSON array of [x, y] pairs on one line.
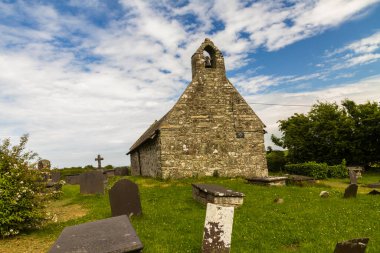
[[278, 104]]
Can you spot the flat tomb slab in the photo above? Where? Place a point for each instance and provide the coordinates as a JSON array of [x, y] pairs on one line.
[[216, 194], [114, 234], [269, 181], [300, 180], [375, 185]]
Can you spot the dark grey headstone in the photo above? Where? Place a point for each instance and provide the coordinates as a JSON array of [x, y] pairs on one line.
[[114, 234], [351, 191], [72, 179], [352, 246], [125, 198], [55, 176], [92, 182], [353, 179]]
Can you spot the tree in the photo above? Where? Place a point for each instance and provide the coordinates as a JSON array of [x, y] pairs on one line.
[[21, 198], [329, 133]]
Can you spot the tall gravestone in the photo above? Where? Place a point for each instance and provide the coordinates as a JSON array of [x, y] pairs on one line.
[[217, 229], [125, 198], [353, 178], [92, 182], [114, 234]]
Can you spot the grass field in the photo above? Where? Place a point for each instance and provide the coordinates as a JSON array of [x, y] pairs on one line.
[[173, 222]]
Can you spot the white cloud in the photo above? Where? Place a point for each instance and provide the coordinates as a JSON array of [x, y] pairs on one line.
[[364, 90], [75, 108]]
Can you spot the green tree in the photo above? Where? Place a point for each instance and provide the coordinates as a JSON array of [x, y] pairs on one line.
[[329, 133], [21, 198]]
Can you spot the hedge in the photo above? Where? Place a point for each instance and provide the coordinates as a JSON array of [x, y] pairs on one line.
[[318, 170]]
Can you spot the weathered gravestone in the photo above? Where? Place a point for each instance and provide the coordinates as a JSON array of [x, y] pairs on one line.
[[55, 176], [353, 179], [92, 182], [114, 234], [109, 173], [72, 179], [125, 198], [351, 191], [216, 194], [217, 229], [352, 246]]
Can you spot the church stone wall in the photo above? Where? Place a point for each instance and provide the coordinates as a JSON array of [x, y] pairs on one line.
[[148, 163]]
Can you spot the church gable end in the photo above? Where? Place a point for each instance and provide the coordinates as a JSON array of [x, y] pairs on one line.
[[211, 129]]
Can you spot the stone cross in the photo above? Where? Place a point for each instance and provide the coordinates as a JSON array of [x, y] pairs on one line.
[[99, 160]]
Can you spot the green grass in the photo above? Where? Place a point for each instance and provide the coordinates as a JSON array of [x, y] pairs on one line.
[[173, 222]]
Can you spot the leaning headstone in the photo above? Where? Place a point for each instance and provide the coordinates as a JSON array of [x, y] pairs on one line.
[[72, 179], [353, 179], [125, 198], [92, 182], [114, 234], [352, 246], [43, 164], [351, 191], [217, 229], [55, 176]]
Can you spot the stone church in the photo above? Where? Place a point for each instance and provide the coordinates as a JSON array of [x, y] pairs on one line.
[[211, 130]]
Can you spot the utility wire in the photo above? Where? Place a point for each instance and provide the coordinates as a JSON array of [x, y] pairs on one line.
[[278, 104]]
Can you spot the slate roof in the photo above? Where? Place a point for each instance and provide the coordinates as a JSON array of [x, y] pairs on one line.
[[150, 133]]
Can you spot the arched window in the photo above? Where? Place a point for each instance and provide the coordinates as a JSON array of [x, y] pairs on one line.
[[209, 55]]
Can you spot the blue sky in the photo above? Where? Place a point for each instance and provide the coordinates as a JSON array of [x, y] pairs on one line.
[[88, 77]]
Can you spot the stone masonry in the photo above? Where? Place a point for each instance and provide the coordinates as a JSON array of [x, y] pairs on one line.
[[210, 130]]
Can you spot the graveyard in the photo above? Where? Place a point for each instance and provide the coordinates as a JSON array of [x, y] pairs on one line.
[[172, 221]]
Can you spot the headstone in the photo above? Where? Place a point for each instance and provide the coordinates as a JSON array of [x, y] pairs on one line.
[[99, 160], [324, 194], [375, 185], [374, 192], [114, 234], [351, 191], [43, 164], [92, 182], [352, 246], [216, 194], [353, 179], [125, 198], [72, 179], [55, 176], [268, 181], [357, 170], [217, 229]]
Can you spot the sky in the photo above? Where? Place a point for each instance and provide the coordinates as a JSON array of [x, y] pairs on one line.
[[88, 77]]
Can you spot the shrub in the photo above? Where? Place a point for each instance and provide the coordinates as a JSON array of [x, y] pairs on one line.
[[338, 171], [311, 169], [318, 170], [21, 197], [276, 160]]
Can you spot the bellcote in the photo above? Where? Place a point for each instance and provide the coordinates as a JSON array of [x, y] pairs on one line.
[[207, 58]]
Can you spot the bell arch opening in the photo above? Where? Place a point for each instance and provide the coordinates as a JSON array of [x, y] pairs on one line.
[[209, 56]]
